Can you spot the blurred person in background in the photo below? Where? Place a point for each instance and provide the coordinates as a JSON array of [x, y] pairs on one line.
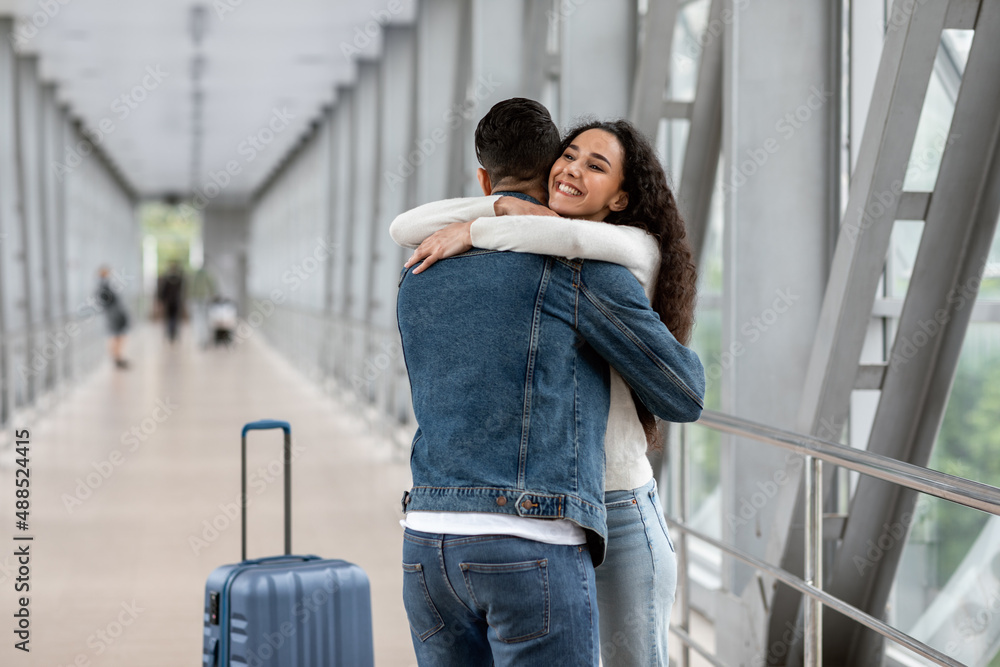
[[201, 292], [170, 294], [117, 317]]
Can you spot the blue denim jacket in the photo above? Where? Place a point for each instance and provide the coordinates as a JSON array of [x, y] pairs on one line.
[[507, 357]]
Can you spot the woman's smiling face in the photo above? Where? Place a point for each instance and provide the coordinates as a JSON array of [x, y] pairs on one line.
[[585, 181]]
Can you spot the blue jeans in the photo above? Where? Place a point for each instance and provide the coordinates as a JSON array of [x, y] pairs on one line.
[[636, 582], [497, 599]]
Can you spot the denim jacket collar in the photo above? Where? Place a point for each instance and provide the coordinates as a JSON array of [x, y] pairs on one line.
[[519, 195]]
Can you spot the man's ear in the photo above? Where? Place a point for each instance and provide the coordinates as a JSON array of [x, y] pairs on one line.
[[484, 181], [620, 202]]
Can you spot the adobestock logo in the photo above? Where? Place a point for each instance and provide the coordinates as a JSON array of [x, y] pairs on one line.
[[892, 535], [106, 636], [229, 513], [28, 26], [102, 471], [122, 106], [766, 490], [249, 148], [425, 147], [751, 331], [53, 343]]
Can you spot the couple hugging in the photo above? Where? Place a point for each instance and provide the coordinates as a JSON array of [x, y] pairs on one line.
[[535, 376]]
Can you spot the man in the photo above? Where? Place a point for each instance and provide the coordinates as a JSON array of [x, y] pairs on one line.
[[171, 296], [505, 521]]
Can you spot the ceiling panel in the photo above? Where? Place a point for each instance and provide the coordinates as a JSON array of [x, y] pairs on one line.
[[267, 65]]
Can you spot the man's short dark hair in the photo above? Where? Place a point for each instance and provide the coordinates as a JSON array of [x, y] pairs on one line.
[[517, 140]]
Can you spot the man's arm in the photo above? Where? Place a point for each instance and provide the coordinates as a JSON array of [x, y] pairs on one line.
[[409, 229], [614, 316]]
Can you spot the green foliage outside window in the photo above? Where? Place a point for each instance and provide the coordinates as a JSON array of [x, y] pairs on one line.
[[967, 446]]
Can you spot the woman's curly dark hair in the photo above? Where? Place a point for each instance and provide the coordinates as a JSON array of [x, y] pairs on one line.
[[652, 207]]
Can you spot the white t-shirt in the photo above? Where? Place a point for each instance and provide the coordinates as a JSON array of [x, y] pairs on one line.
[[550, 531]]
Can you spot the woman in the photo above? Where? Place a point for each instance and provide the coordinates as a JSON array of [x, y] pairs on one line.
[[116, 316], [606, 173]]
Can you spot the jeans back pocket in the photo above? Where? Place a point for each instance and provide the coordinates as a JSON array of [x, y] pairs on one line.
[[514, 596], [420, 610]]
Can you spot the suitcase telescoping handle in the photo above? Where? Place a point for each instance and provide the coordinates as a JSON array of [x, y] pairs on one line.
[[267, 425]]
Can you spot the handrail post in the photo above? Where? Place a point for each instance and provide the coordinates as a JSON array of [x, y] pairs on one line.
[[682, 482], [813, 612]]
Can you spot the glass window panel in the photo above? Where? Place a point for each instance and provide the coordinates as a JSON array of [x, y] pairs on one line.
[[970, 431], [174, 230], [947, 569], [932, 134], [903, 246], [671, 142], [956, 44], [958, 614], [707, 342], [990, 287], [707, 337], [704, 442], [690, 39]]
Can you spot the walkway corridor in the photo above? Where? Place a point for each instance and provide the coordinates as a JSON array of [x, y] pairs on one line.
[[139, 522]]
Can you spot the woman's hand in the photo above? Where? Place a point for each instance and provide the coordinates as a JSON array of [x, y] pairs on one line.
[[449, 241], [515, 206]]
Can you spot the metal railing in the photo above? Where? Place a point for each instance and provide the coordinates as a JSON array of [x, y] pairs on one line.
[[359, 363], [815, 451], [40, 363]]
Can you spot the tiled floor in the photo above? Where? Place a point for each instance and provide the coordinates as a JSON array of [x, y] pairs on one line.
[[124, 542]]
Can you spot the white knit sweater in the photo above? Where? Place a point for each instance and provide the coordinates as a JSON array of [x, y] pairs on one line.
[[624, 440]]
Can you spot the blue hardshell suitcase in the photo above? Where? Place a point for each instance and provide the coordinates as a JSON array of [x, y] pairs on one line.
[[286, 611]]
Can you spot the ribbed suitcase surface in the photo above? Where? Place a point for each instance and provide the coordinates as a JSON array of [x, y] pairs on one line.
[[286, 611]]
